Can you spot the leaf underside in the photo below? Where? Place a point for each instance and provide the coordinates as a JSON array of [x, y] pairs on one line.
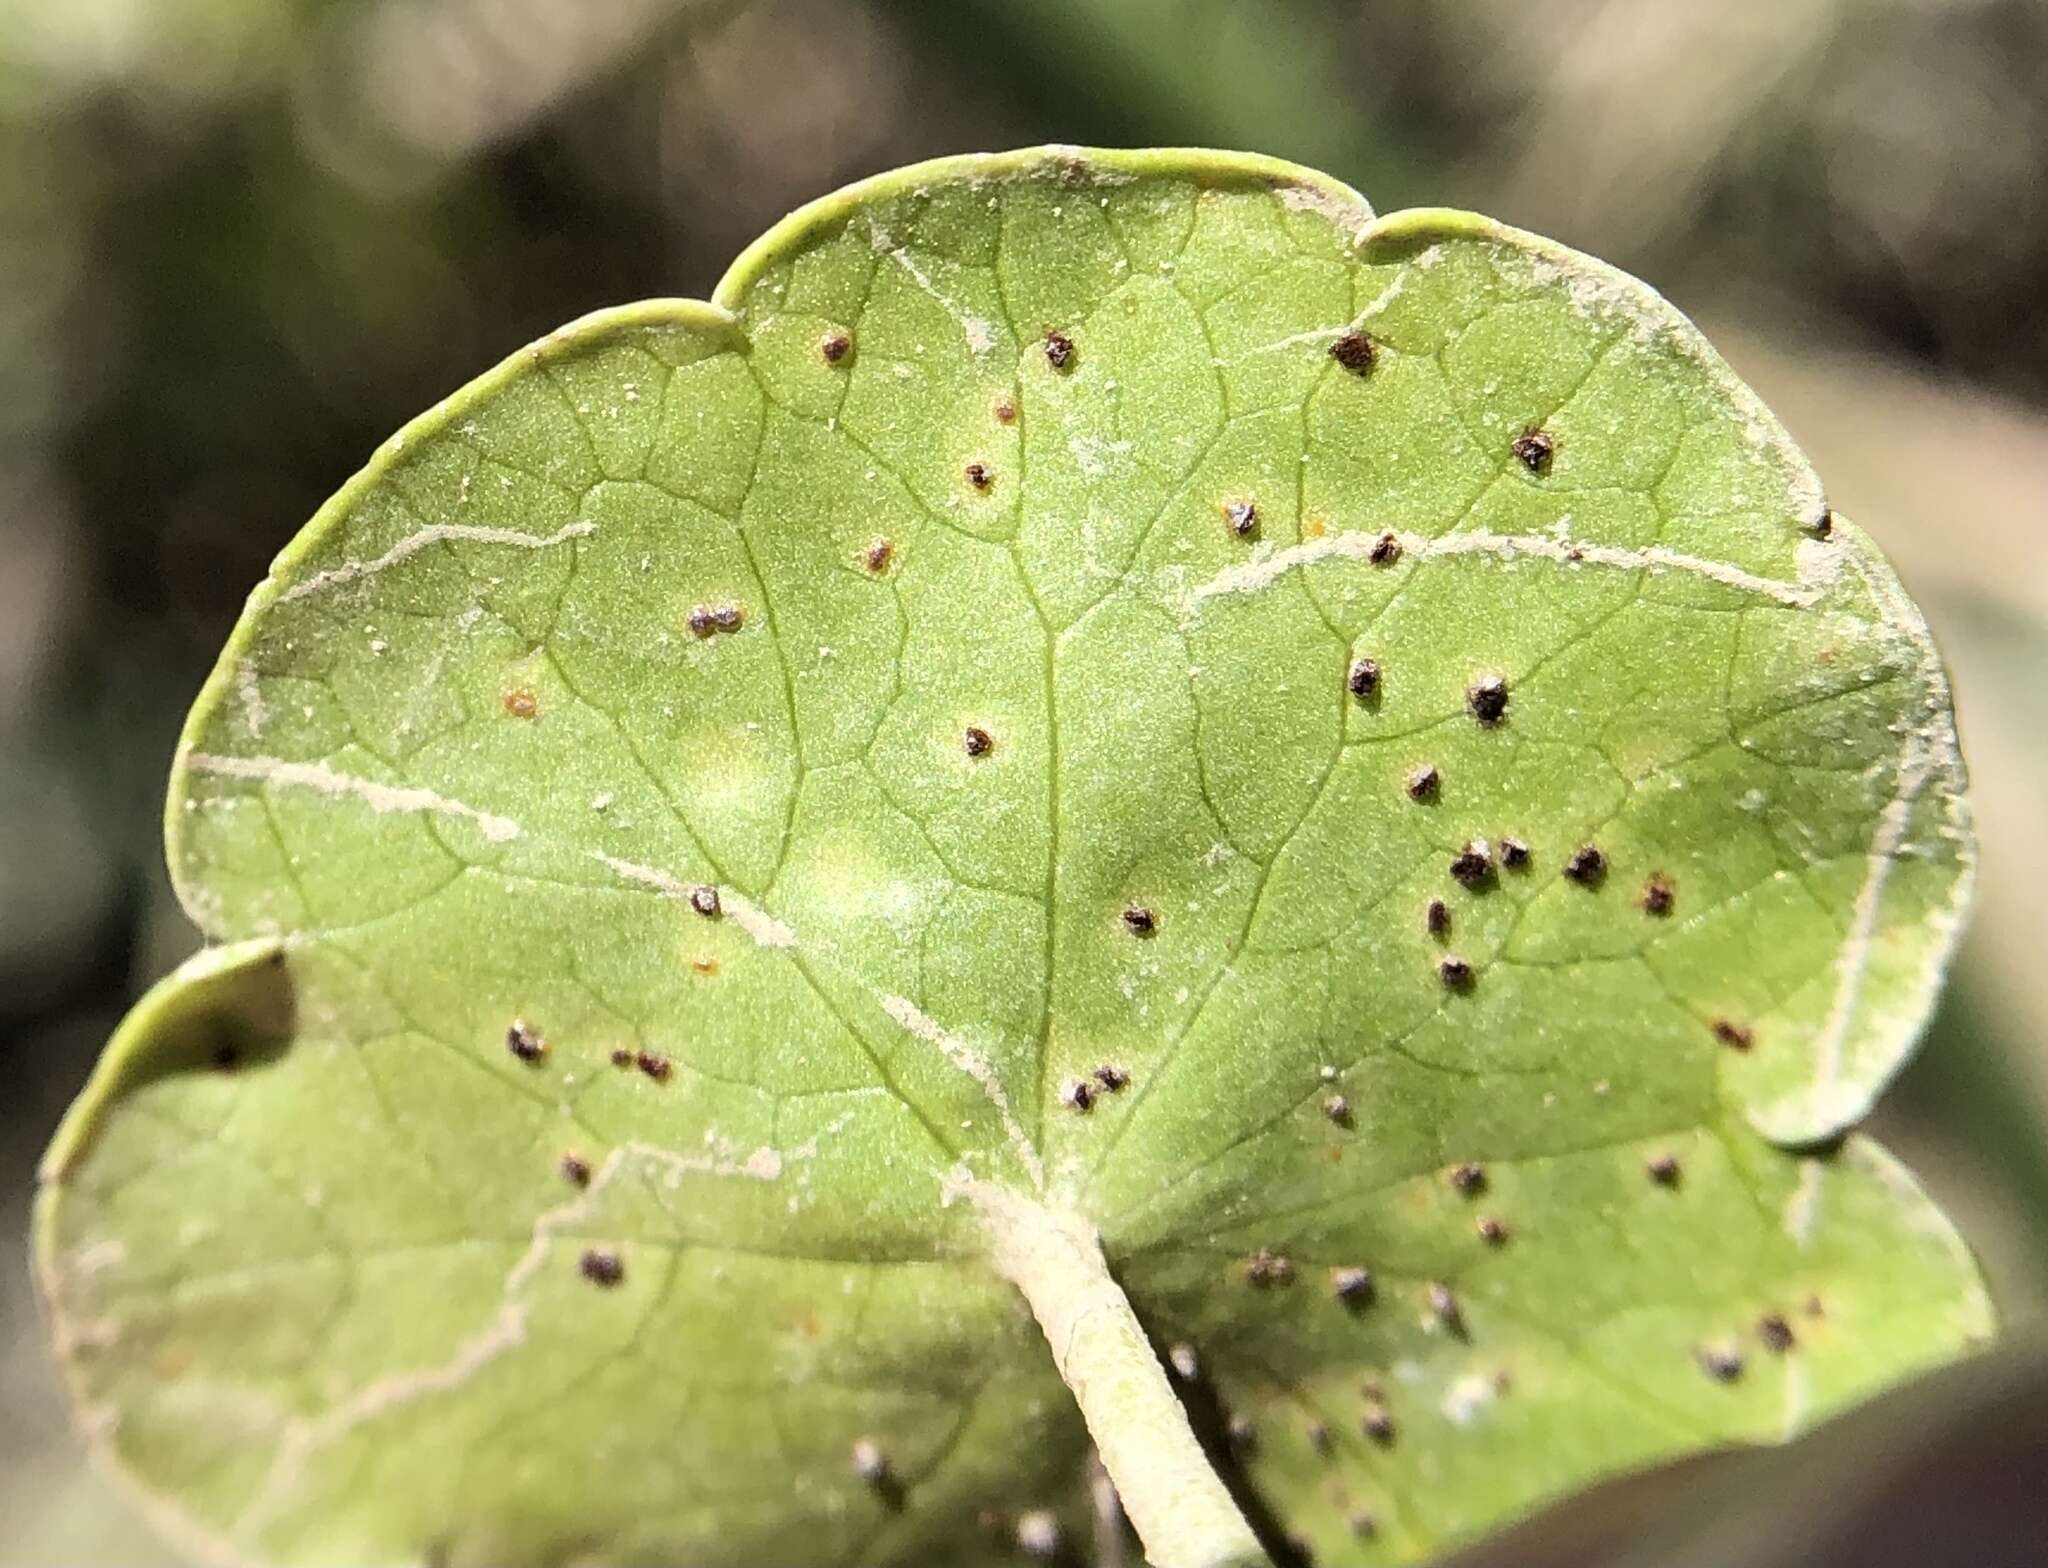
[[971, 595]]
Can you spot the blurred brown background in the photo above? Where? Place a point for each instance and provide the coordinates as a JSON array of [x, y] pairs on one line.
[[241, 241]]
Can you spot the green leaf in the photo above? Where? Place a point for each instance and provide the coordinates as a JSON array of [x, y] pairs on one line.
[[970, 599]]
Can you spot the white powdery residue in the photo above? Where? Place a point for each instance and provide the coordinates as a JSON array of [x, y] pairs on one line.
[[249, 692], [1803, 1207], [1314, 335], [762, 927], [1466, 1398], [1344, 211], [1093, 455], [506, 1331], [763, 1164], [1261, 571], [966, 1059], [437, 533], [99, 1256], [1927, 749], [1392, 291], [378, 797], [981, 336], [1793, 1419], [1602, 293]]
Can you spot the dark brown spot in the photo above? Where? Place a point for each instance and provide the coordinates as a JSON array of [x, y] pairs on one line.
[[1264, 1268], [1663, 1169], [977, 742], [1775, 1333], [1534, 449], [1436, 919], [1492, 1231], [1473, 865], [1318, 1437], [1488, 699], [1352, 1286], [1822, 525], [1077, 1095], [525, 1042], [1243, 517], [980, 475], [835, 346], [1814, 1308], [1356, 352], [1243, 1435], [704, 899], [601, 1266], [1338, 1109], [878, 555], [1455, 972], [1514, 854], [1364, 1526], [1469, 1178], [1737, 1037], [1059, 349], [707, 619], [653, 1065], [1140, 921], [1386, 550], [1378, 1424], [1587, 865], [1719, 1362], [1006, 410], [1112, 1078], [226, 1059], [1364, 679], [522, 703], [575, 1170], [1444, 1306], [621, 1057], [1424, 782], [1660, 893]]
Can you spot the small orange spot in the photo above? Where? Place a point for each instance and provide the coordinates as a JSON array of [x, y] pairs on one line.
[[704, 966], [1006, 410], [1826, 656], [808, 1325], [522, 703], [1314, 528], [1336, 1153], [174, 1361]]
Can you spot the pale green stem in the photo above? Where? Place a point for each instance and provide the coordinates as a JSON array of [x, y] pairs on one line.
[[1174, 1499]]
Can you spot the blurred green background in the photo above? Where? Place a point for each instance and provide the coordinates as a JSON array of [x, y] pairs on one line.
[[241, 241]]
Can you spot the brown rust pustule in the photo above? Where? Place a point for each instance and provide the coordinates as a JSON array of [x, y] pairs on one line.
[[1487, 697], [1356, 352], [1534, 450], [525, 1042], [1587, 865]]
